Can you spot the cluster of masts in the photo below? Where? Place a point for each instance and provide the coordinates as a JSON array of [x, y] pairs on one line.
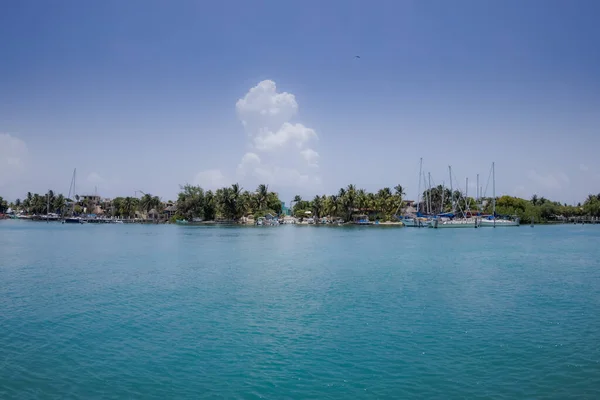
[[439, 218]]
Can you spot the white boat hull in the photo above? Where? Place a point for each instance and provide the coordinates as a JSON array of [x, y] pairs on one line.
[[499, 223], [416, 222], [468, 223]]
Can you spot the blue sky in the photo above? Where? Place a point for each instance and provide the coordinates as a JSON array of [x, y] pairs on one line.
[[147, 95]]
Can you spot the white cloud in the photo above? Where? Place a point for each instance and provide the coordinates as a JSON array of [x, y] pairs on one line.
[[249, 162], [263, 107], [13, 158], [311, 157], [280, 153], [211, 179], [549, 181], [584, 167], [297, 134]]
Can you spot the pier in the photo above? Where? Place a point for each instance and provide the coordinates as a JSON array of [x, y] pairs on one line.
[[584, 220]]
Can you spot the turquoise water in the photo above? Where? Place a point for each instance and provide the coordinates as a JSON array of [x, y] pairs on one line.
[[131, 311]]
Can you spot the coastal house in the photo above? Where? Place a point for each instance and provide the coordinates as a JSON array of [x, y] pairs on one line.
[[87, 198], [360, 219], [169, 211], [153, 214], [410, 207], [285, 210]]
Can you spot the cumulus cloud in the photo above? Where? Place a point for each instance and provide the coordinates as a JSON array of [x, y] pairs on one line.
[[263, 107], [249, 162], [296, 134], [311, 157], [549, 181], [211, 179], [280, 147], [13, 158]]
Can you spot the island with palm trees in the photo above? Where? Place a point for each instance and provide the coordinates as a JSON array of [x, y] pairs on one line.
[[234, 204]]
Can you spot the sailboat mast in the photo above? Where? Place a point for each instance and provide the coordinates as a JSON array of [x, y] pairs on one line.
[[73, 199], [451, 189], [419, 189], [467, 197], [425, 194], [494, 190], [477, 196], [442, 205], [429, 192]]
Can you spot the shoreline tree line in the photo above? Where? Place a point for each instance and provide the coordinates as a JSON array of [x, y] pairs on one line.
[[234, 202]]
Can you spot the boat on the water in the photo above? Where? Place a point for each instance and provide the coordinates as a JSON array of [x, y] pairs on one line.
[[495, 220], [419, 221], [455, 223], [73, 220], [498, 222]]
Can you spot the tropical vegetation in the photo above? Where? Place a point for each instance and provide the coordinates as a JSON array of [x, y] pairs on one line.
[[538, 209], [228, 203], [383, 204], [234, 202]]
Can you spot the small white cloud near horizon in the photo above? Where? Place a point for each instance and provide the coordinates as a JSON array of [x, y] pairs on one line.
[[211, 179], [584, 167]]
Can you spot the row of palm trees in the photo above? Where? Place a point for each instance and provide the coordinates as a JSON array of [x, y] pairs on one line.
[[35, 203], [128, 207], [384, 203], [230, 203]]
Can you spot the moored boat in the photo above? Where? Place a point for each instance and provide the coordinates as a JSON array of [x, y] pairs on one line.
[[498, 222], [73, 220], [455, 223]]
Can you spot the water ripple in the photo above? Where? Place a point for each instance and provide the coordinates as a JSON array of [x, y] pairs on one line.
[[297, 312]]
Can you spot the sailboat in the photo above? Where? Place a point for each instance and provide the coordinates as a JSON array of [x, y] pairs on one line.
[[493, 220], [418, 220], [449, 220], [73, 219]]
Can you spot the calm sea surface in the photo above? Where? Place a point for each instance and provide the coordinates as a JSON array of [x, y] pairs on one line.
[[298, 312]]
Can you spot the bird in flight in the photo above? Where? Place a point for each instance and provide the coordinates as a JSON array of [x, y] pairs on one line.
[[356, 56]]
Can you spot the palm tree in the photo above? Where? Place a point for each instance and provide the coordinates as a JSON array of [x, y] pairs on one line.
[[362, 200], [59, 204], [297, 200], [146, 203], [209, 207], [3, 205], [262, 194], [273, 203], [399, 190], [128, 206], [331, 205], [317, 206], [534, 199], [231, 202]]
